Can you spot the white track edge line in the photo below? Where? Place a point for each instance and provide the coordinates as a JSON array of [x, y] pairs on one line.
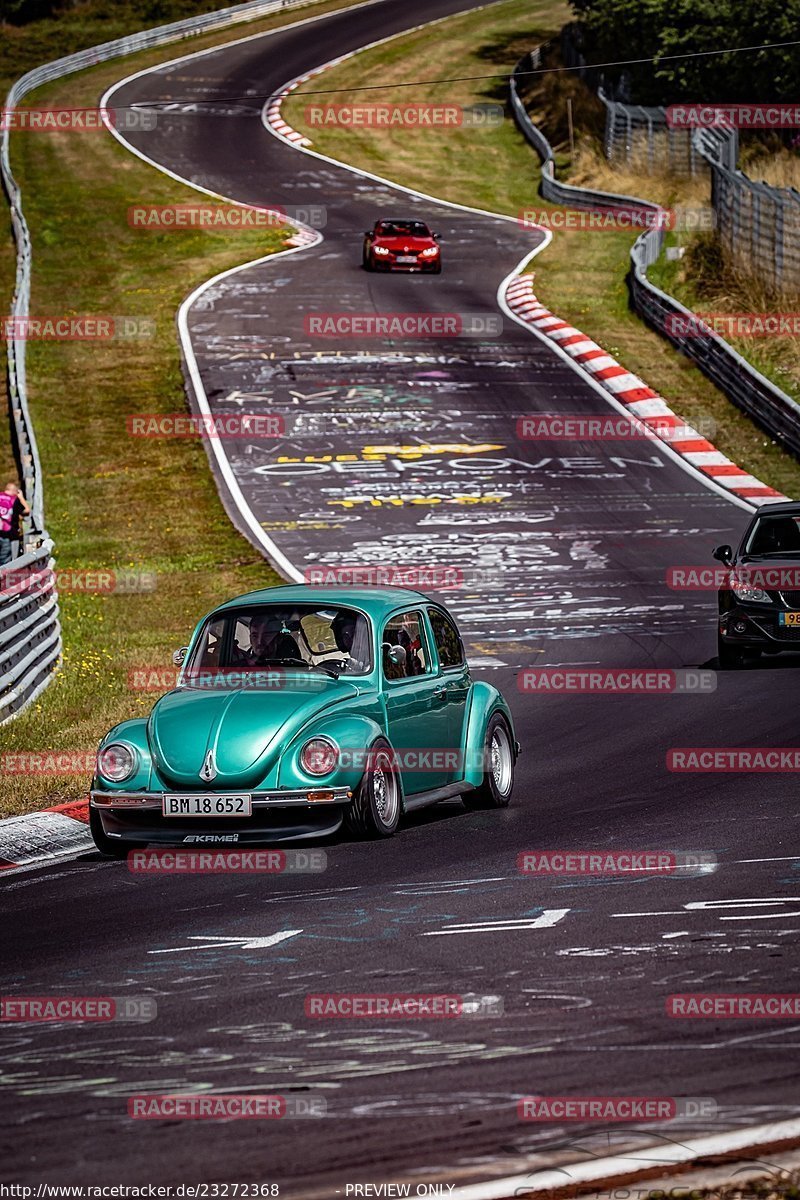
[[622, 1166]]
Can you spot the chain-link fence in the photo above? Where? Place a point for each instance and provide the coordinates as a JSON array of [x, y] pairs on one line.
[[770, 408], [758, 225]]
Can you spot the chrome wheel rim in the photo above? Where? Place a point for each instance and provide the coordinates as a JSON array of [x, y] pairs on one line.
[[502, 763], [385, 791]]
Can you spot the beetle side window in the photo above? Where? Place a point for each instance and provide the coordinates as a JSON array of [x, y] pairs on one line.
[[210, 650], [403, 647], [445, 635]]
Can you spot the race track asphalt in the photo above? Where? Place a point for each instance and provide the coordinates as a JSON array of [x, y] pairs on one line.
[[564, 550]]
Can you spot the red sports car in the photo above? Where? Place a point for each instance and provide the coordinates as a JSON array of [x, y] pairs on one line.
[[401, 245]]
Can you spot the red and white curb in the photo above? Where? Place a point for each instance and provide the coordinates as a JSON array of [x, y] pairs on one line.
[[272, 109], [40, 837], [641, 401]]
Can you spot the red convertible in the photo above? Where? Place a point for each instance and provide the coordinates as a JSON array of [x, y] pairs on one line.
[[401, 245]]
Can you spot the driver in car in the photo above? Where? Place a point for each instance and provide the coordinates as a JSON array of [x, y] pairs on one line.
[[269, 640]]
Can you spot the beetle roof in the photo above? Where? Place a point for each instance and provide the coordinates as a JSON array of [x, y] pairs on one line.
[[372, 600]]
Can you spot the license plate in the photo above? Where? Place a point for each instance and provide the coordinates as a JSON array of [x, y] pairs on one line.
[[407, 258], [790, 618], [198, 804]]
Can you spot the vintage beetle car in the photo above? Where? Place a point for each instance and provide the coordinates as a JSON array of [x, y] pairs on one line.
[[298, 708]]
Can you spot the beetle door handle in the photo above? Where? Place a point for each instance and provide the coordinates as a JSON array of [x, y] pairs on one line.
[[440, 693]]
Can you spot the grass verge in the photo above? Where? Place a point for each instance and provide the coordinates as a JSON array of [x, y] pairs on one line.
[[581, 275], [113, 502]]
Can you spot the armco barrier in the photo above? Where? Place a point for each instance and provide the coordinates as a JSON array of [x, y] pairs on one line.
[[31, 649], [30, 633], [775, 412]]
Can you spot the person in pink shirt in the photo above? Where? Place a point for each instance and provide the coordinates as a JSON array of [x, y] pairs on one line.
[[13, 506]]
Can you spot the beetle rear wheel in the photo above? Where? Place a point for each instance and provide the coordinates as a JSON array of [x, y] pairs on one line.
[[498, 775], [374, 811]]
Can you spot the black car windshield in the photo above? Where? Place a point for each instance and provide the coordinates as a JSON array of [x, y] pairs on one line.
[[774, 537], [403, 229], [250, 641]]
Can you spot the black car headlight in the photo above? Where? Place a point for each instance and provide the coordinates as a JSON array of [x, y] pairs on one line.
[[743, 589], [117, 762]]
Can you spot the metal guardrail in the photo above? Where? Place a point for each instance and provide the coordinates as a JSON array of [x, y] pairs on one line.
[[30, 634], [759, 225], [770, 408]]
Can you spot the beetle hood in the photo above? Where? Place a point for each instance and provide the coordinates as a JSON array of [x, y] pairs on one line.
[[244, 729]]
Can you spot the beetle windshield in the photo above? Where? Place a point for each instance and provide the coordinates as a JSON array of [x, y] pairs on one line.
[[246, 641]]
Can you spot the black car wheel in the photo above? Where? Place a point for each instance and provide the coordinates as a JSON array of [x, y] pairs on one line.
[[106, 845], [374, 811], [498, 776], [732, 657], [365, 261]]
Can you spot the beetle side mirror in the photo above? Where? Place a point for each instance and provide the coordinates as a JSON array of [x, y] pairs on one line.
[[436, 236], [367, 233], [724, 554], [179, 656]]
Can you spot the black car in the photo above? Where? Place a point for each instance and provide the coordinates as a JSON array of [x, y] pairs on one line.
[[759, 603]]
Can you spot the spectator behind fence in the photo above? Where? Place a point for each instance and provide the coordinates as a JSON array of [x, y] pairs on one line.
[[13, 506]]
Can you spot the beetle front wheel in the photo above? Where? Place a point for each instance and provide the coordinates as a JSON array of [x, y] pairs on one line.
[[498, 771], [374, 811]]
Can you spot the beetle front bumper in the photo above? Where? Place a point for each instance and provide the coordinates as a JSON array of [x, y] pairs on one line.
[[277, 816]]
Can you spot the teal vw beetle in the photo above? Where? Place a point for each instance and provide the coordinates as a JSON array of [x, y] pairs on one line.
[[297, 709]]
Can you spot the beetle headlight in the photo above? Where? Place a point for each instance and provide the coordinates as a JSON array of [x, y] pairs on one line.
[[117, 762], [319, 756]]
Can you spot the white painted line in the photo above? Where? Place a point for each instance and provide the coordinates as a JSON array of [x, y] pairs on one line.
[[30, 839], [548, 918], [628, 1166], [232, 943]]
